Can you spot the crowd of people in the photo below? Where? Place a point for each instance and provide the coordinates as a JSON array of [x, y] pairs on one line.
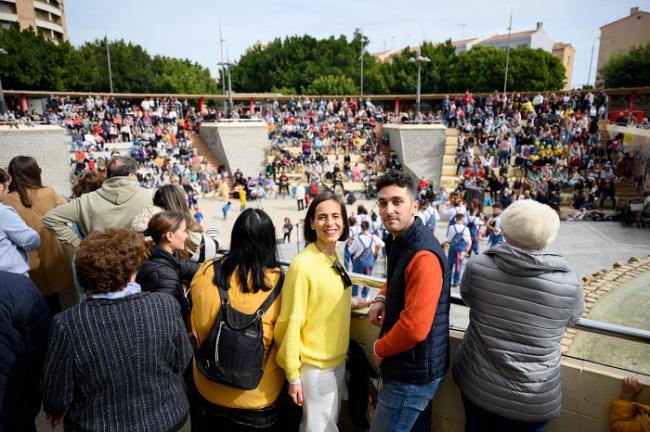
[[266, 349], [154, 132], [515, 147]]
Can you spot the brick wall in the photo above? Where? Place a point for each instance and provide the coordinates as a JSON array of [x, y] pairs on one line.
[[420, 149], [47, 144], [242, 145]]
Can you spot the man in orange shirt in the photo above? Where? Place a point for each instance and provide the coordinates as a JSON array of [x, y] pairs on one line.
[[412, 310]]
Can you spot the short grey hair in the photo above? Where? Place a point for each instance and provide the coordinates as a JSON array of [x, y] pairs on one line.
[[530, 225]]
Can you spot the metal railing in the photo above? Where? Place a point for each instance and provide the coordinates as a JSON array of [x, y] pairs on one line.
[[590, 325]]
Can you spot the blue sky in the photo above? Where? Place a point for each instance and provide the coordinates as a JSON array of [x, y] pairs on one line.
[[190, 28]]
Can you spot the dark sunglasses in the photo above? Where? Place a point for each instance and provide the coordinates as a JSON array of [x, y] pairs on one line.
[[341, 271]]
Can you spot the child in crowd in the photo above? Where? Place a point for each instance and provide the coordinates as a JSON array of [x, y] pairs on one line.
[[225, 209], [286, 230], [198, 215]]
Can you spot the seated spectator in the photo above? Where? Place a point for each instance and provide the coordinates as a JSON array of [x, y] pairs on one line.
[[498, 356], [120, 338]]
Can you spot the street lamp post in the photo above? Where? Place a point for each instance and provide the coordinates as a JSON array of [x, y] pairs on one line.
[[419, 60], [3, 105], [228, 65]]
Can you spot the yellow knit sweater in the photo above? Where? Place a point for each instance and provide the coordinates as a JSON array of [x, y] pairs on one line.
[[314, 323]]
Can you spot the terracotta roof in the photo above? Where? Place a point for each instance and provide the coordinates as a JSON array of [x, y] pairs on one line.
[[626, 17], [516, 35], [464, 41]]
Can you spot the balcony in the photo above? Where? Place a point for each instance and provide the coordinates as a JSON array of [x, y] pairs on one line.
[[50, 26], [47, 8]]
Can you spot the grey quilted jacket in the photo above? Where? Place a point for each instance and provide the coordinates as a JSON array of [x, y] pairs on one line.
[[520, 304]]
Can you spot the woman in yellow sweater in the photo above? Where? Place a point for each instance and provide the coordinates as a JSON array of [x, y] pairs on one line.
[[249, 274], [313, 329]]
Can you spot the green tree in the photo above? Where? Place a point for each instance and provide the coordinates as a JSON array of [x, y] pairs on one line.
[[332, 85], [628, 70], [131, 66], [483, 69], [34, 63], [173, 75]]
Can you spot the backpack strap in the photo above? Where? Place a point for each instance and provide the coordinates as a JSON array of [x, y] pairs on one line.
[[271, 297]]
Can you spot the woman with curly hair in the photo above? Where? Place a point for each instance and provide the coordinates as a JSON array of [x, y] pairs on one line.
[[114, 361]]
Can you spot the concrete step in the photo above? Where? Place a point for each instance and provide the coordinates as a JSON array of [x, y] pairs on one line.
[[449, 150], [452, 132], [449, 159], [449, 171], [453, 141]]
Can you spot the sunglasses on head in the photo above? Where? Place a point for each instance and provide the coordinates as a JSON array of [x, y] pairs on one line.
[[341, 271]]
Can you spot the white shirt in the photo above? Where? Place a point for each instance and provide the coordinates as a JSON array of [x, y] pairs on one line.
[[363, 241], [458, 228]]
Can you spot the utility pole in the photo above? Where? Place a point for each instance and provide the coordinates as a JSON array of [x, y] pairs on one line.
[[227, 66], [463, 30], [3, 105], [223, 74], [108, 59], [505, 80], [361, 58], [419, 60], [591, 62]]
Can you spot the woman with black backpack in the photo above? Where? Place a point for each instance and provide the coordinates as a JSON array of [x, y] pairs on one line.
[[236, 303]]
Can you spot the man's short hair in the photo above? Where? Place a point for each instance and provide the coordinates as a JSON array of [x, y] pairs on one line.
[[121, 166], [397, 178]]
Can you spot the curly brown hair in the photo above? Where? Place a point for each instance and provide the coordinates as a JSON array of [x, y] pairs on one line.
[[106, 260]]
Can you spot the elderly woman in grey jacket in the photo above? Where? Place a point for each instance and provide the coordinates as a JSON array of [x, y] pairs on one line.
[[521, 299]]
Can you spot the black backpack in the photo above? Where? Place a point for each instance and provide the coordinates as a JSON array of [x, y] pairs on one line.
[[233, 353]]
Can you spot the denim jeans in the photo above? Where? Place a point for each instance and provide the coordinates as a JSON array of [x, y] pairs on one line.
[[479, 420], [404, 407]]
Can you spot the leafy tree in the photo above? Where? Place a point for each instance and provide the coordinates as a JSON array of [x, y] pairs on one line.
[[284, 90], [34, 63], [332, 85], [173, 75], [131, 66], [628, 70], [483, 69]]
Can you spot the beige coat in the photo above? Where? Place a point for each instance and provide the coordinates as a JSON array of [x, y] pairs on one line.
[[49, 267]]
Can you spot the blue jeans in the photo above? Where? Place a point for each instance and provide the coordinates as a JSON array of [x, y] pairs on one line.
[[455, 271], [404, 407], [479, 420]]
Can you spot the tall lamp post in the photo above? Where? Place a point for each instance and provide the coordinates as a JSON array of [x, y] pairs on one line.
[[419, 60], [227, 66], [3, 105]]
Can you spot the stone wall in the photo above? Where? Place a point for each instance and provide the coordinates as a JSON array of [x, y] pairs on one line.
[[242, 145], [420, 148], [47, 144]]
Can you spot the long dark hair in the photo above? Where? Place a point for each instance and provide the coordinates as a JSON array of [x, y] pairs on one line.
[[25, 174], [253, 249]]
